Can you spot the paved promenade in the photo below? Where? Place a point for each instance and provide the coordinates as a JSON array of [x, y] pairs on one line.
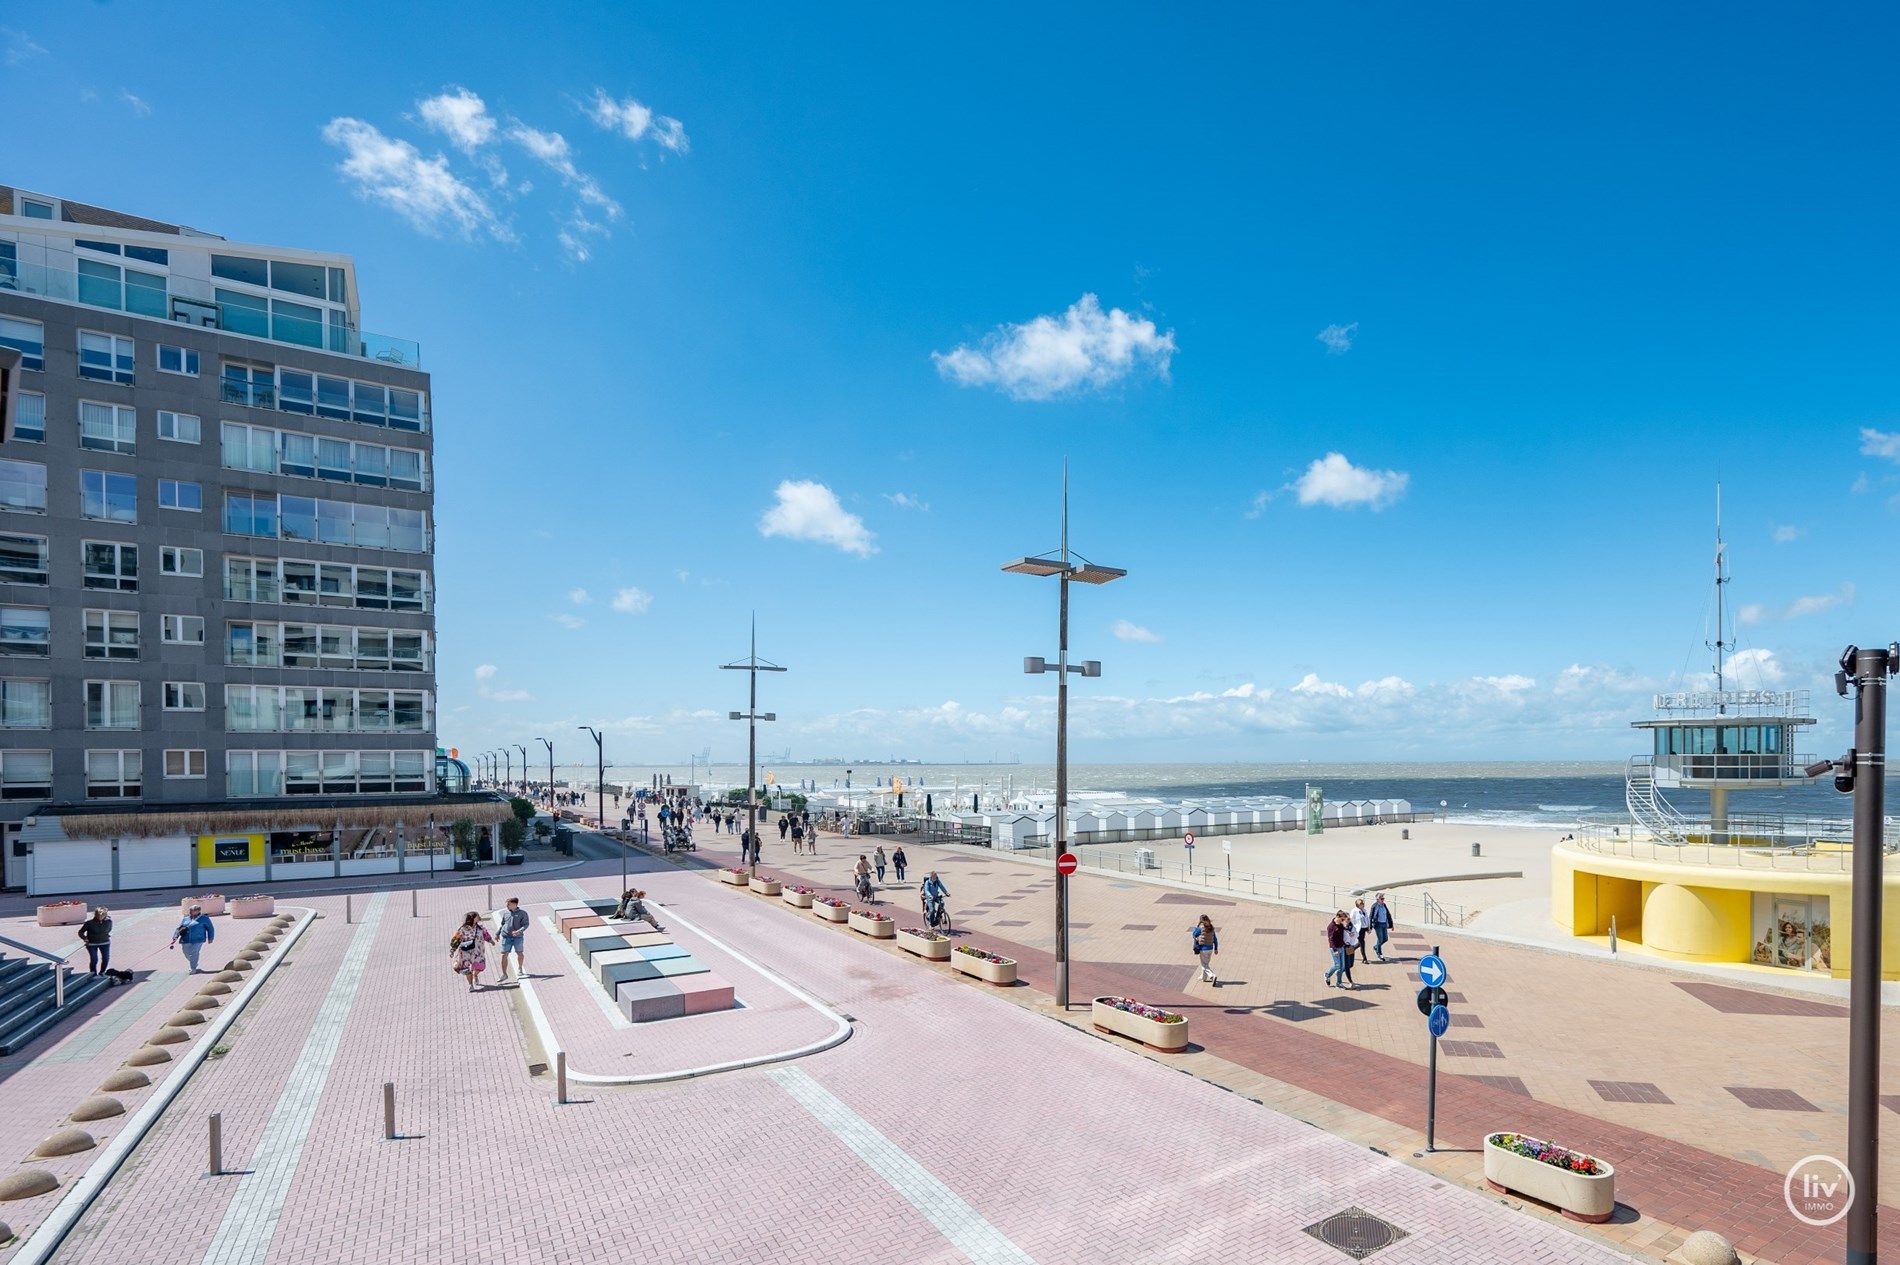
[[952, 1126]]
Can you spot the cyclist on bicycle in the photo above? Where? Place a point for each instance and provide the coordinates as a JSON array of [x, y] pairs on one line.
[[934, 895], [861, 878]]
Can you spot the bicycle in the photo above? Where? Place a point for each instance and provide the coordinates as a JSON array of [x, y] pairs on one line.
[[865, 892], [937, 914]]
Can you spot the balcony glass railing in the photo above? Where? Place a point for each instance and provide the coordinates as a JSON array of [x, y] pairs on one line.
[[193, 303], [1739, 767]]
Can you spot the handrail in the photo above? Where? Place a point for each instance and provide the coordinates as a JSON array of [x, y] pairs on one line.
[[35, 951], [59, 968]]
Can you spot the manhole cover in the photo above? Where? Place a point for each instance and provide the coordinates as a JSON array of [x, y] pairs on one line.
[[1356, 1232]]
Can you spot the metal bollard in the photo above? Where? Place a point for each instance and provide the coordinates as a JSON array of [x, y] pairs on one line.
[[217, 1145], [491, 896], [389, 1111], [412, 902], [349, 908], [560, 1076], [1612, 935]]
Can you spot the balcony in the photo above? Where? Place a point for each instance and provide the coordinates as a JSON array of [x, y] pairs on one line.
[[191, 302], [1734, 767], [341, 399]]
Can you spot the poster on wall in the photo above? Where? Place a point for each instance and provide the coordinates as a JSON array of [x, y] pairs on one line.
[[231, 851], [1792, 932]]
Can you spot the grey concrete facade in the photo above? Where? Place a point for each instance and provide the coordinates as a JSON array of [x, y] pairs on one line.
[[67, 665]]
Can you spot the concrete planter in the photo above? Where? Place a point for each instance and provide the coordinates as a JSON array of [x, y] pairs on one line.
[[832, 913], [797, 900], [252, 906], [210, 905], [738, 878], [66, 913], [1003, 972], [876, 928], [765, 886], [1169, 1038], [1579, 1196], [930, 948]]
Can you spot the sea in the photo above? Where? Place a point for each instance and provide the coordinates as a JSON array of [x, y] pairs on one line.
[[1552, 795]]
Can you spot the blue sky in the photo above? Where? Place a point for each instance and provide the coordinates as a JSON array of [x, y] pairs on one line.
[[1417, 342]]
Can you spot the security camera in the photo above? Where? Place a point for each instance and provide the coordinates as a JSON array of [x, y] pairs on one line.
[[1844, 774], [1818, 768]]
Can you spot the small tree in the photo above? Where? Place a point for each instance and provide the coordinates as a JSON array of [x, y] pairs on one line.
[[542, 830], [512, 833], [522, 809], [462, 834]]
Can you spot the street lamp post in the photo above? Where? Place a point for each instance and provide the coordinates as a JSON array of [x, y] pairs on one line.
[[550, 746], [524, 770], [752, 665], [1066, 566], [600, 791], [508, 770]]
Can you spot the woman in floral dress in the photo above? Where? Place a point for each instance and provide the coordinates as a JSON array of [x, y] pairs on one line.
[[468, 953]]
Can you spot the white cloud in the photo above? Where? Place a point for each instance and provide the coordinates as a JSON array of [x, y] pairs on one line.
[[551, 149], [1820, 602], [1751, 614], [566, 620], [1786, 534], [682, 575], [1260, 502], [1756, 666], [637, 122], [1880, 443], [579, 596], [137, 104], [632, 601], [20, 47], [1125, 630], [421, 190], [485, 672], [1511, 683], [459, 115], [1338, 338], [1053, 355], [1311, 684], [1333, 480], [806, 510], [907, 501]]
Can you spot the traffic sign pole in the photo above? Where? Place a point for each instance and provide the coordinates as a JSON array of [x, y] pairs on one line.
[[1431, 1070]]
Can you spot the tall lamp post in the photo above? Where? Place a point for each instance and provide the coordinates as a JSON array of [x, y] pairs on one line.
[[508, 770], [752, 665], [524, 769], [600, 790], [550, 746], [1067, 566]]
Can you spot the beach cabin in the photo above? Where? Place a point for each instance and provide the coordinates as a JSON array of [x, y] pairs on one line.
[[1119, 826], [1087, 827], [1168, 821], [1147, 823], [1195, 819]]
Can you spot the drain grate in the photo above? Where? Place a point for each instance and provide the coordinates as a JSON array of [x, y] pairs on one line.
[[1356, 1232]]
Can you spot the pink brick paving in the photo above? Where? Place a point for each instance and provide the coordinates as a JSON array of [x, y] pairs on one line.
[[1156, 1167]]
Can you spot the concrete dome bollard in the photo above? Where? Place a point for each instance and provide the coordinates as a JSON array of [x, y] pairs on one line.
[[65, 1142], [147, 1056], [122, 1080], [227, 976], [26, 1183], [201, 1002], [98, 1107], [216, 988], [168, 1036], [240, 963], [1705, 1247], [185, 1019], [249, 955]]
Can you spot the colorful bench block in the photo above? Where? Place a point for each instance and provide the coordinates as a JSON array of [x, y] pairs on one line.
[[563, 906], [645, 1000], [656, 952], [670, 967], [578, 918], [640, 939], [593, 946], [613, 974], [577, 934], [602, 904], [704, 993], [612, 957]]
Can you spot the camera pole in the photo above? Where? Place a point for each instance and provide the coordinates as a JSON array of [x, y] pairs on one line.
[[1867, 671]]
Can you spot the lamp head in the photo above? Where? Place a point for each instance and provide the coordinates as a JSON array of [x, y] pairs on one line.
[[1035, 566]]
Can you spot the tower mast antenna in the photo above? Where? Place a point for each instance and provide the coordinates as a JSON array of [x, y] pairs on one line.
[[1719, 645]]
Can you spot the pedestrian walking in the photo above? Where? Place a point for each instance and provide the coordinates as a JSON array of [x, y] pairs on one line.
[[899, 861], [1336, 945], [193, 932], [514, 934], [1350, 934], [96, 934], [468, 949], [1207, 948], [879, 861], [798, 837], [784, 824], [1382, 923], [1361, 924]]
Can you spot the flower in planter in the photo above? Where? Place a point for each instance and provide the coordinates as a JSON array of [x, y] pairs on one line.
[[920, 933], [802, 891], [871, 914], [826, 900], [734, 869], [984, 954], [59, 904], [1133, 1007], [1556, 1156]]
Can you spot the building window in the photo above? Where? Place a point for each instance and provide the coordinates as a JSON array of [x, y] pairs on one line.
[[294, 581], [178, 560], [182, 630], [319, 521], [252, 773], [334, 646], [26, 337], [249, 448], [105, 357], [112, 774], [184, 696], [179, 428], [177, 360], [108, 497], [184, 764], [173, 494], [108, 285], [112, 635], [248, 383], [112, 704], [25, 704], [107, 427], [33, 209], [22, 559], [26, 774], [109, 565], [26, 630], [266, 773], [29, 418], [23, 486]]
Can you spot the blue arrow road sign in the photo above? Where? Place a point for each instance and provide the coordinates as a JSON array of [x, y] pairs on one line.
[[1431, 970], [1439, 1021]]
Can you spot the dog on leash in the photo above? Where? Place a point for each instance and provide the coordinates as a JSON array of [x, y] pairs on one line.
[[118, 977]]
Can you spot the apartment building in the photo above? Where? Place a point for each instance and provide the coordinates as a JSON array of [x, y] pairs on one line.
[[217, 630]]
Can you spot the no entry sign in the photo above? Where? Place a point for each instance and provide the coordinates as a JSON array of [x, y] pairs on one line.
[[1188, 840], [1066, 863]]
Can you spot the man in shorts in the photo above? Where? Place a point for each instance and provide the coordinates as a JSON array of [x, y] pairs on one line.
[[514, 933]]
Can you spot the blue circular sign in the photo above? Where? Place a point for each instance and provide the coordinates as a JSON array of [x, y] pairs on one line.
[[1439, 1021], [1431, 971]]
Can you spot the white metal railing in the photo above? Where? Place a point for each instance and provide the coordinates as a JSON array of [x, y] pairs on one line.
[[1748, 848], [59, 967]]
